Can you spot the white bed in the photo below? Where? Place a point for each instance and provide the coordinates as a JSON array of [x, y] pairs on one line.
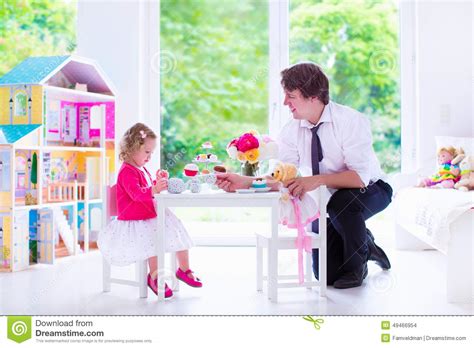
[[442, 220]]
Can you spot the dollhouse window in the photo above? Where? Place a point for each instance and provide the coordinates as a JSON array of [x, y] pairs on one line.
[[20, 163], [20, 103], [21, 181], [95, 117]]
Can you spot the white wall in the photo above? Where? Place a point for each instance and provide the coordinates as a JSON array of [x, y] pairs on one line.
[[117, 34], [444, 72]]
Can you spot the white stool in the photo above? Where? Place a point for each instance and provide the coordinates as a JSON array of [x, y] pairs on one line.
[[141, 266], [141, 275], [288, 241]]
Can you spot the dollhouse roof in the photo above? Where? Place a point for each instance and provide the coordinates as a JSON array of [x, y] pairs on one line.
[[60, 71], [10, 134], [33, 70]]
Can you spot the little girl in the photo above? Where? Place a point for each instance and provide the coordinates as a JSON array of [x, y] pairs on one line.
[[133, 235]]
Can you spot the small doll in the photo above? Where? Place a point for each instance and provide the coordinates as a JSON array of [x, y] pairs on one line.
[[448, 169], [295, 212]]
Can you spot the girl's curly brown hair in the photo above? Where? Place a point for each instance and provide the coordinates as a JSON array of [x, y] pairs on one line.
[[133, 138]]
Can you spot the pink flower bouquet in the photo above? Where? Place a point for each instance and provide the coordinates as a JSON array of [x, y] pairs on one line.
[[251, 148]]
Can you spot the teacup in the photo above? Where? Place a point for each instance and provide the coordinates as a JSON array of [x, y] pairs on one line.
[[176, 185]]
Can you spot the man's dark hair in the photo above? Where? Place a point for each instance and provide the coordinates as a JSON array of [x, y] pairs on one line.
[[309, 79]]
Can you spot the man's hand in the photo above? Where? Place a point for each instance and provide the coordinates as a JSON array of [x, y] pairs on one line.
[[299, 186], [231, 181], [161, 185]]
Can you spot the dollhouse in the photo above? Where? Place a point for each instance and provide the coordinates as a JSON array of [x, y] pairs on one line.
[[57, 150]]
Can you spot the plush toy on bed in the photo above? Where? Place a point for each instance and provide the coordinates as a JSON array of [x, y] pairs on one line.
[[466, 182], [448, 169]]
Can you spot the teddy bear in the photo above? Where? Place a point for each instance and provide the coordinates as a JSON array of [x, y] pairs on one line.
[[466, 182], [295, 212], [284, 172]]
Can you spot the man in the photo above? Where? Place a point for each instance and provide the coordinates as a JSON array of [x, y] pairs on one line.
[[331, 144]]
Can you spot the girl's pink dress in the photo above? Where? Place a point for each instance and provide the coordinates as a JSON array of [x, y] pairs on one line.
[[133, 235]]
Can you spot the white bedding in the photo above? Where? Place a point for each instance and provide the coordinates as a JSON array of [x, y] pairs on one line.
[[432, 209]]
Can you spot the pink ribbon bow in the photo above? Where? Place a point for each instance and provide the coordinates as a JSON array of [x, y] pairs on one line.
[[303, 242]]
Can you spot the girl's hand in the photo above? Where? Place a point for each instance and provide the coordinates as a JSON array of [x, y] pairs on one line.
[[161, 185], [161, 173]]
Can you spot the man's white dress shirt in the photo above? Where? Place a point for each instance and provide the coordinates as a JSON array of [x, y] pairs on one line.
[[346, 141]]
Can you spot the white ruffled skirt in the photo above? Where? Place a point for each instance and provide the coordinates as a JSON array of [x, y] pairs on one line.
[[125, 242], [308, 209]]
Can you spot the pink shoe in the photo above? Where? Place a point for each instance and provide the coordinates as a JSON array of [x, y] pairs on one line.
[[183, 276], [153, 285]]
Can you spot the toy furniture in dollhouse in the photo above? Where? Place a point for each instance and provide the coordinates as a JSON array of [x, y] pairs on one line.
[[285, 241], [56, 152]]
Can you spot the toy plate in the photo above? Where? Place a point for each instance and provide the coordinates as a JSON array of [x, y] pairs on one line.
[[245, 191], [262, 189]]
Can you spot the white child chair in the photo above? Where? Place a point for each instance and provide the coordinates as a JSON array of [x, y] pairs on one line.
[[141, 266], [288, 241]]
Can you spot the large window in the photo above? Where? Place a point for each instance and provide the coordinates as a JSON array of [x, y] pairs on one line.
[[35, 28], [214, 86], [356, 43], [215, 68], [214, 76]]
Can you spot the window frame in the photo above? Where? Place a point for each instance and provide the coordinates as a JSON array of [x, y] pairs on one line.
[[278, 114]]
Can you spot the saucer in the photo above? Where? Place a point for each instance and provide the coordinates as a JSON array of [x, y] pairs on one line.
[[245, 190], [263, 189]]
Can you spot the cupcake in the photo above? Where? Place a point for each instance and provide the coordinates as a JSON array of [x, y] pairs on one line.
[[191, 169], [207, 145], [220, 169], [259, 183], [205, 171], [201, 157]]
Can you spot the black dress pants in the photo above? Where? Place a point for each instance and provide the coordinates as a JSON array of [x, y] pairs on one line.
[[348, 209]]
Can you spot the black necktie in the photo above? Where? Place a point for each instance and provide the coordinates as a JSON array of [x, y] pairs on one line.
[[316, 150]]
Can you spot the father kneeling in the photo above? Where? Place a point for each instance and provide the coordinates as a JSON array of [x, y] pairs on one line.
[[331, 144]]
